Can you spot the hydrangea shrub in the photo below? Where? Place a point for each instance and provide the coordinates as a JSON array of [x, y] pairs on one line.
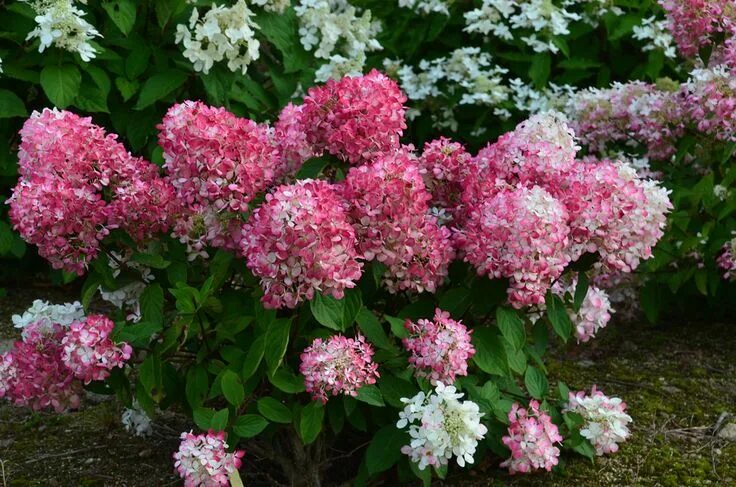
[[296, 293]]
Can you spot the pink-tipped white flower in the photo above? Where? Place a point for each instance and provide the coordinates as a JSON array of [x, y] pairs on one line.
[[89, 352], [594, 313], [440, 427], [440, 348], [338, 365], [606, 422], [203, 460], [531, 439], [727, 260]]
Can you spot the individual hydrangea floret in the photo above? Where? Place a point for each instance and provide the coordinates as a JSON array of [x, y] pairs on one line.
[[223, 33], [531, 438], [389, 208], [355, 118], [440, 427], [203, 461], [300, 242], [605, 419], [89, 352], [440, 348], [338, 365], [61, 24]]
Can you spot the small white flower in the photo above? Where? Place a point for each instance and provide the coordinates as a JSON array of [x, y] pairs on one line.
[[136, 421]]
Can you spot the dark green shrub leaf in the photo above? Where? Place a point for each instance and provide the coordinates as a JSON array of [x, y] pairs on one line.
[[490, 355], [159, 86], [511, 326], [249, 425], [11, 105], [536, 382], [370, 394], [310, 422], [273, 410], [557, 315], [122, 13], [385, 449], [61, 84], [232, 388], [277, 338]]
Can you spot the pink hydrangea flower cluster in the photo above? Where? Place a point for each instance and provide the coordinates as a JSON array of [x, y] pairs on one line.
[[32, 373], [88, 350], [300, 242], [594, 313], [605, 419], [444, 165], [76, 184], [203, 461], [440, 348], [710, 98], [695, 23], [522, 234], [531, 439], [727, 260], [389, 206], [290, 136], [338, 365], [355, 118]]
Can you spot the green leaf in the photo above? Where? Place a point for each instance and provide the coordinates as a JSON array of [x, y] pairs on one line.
[[490, 355], [353, 302], [581, 290], [397, 326], [126, 88], [511, 326], [456, 301], [535, 382], [150, 377], [122, 13], [197, 386], [310, 422], [220, 267], [159, 86], [328, 311], [11, 106], [287, 381], [372, 329], [61, 83], [273, 410], [281, 30], [203, 417], [235, 480], [139, 335], [154, 261], [370, 394], [152, 303], [311, 168], [385, 449], [540, 69], [249, 425], [277, 338], [232, 388], [220, 419], [254, 357], [557, 315]]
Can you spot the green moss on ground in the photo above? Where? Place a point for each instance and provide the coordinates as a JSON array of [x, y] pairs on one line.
[[677, 381]]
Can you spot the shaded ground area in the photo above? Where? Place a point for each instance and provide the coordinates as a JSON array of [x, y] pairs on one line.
[[678, 380]]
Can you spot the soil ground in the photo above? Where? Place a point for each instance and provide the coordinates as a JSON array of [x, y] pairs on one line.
[[678, 379]]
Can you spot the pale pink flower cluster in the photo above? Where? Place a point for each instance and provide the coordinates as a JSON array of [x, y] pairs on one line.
[[77, 183], [338, 365], [291, 137], [389, 206], [299, 241], [531, 438], [710, 98], [727, 260], [594, 313], [444, 165], [32, 373], [605, 419], [218, 163], [440, 348], [203, 461], [355, 118], [89, 352], [695, 23]]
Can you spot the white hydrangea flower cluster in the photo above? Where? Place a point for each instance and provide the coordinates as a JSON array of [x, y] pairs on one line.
[[136, 421], [277, 6], [127, 297], [655, 32], [441, 426], [61, 24], [606, 422], [222, 33], [543, 19], [340, 33], [426, 7], [47, 314], [529, 100]]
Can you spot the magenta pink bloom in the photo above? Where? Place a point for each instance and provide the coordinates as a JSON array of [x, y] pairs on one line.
[[299, 241], [215, 158], [203, 460], [355, 118], [531, 439], [694, 24], [389, 209], [440, 348], [338, 365], [444, 165], [520, 234], [290, 136], [34, 375], [88, 350], [710, 100], [726, 260]]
